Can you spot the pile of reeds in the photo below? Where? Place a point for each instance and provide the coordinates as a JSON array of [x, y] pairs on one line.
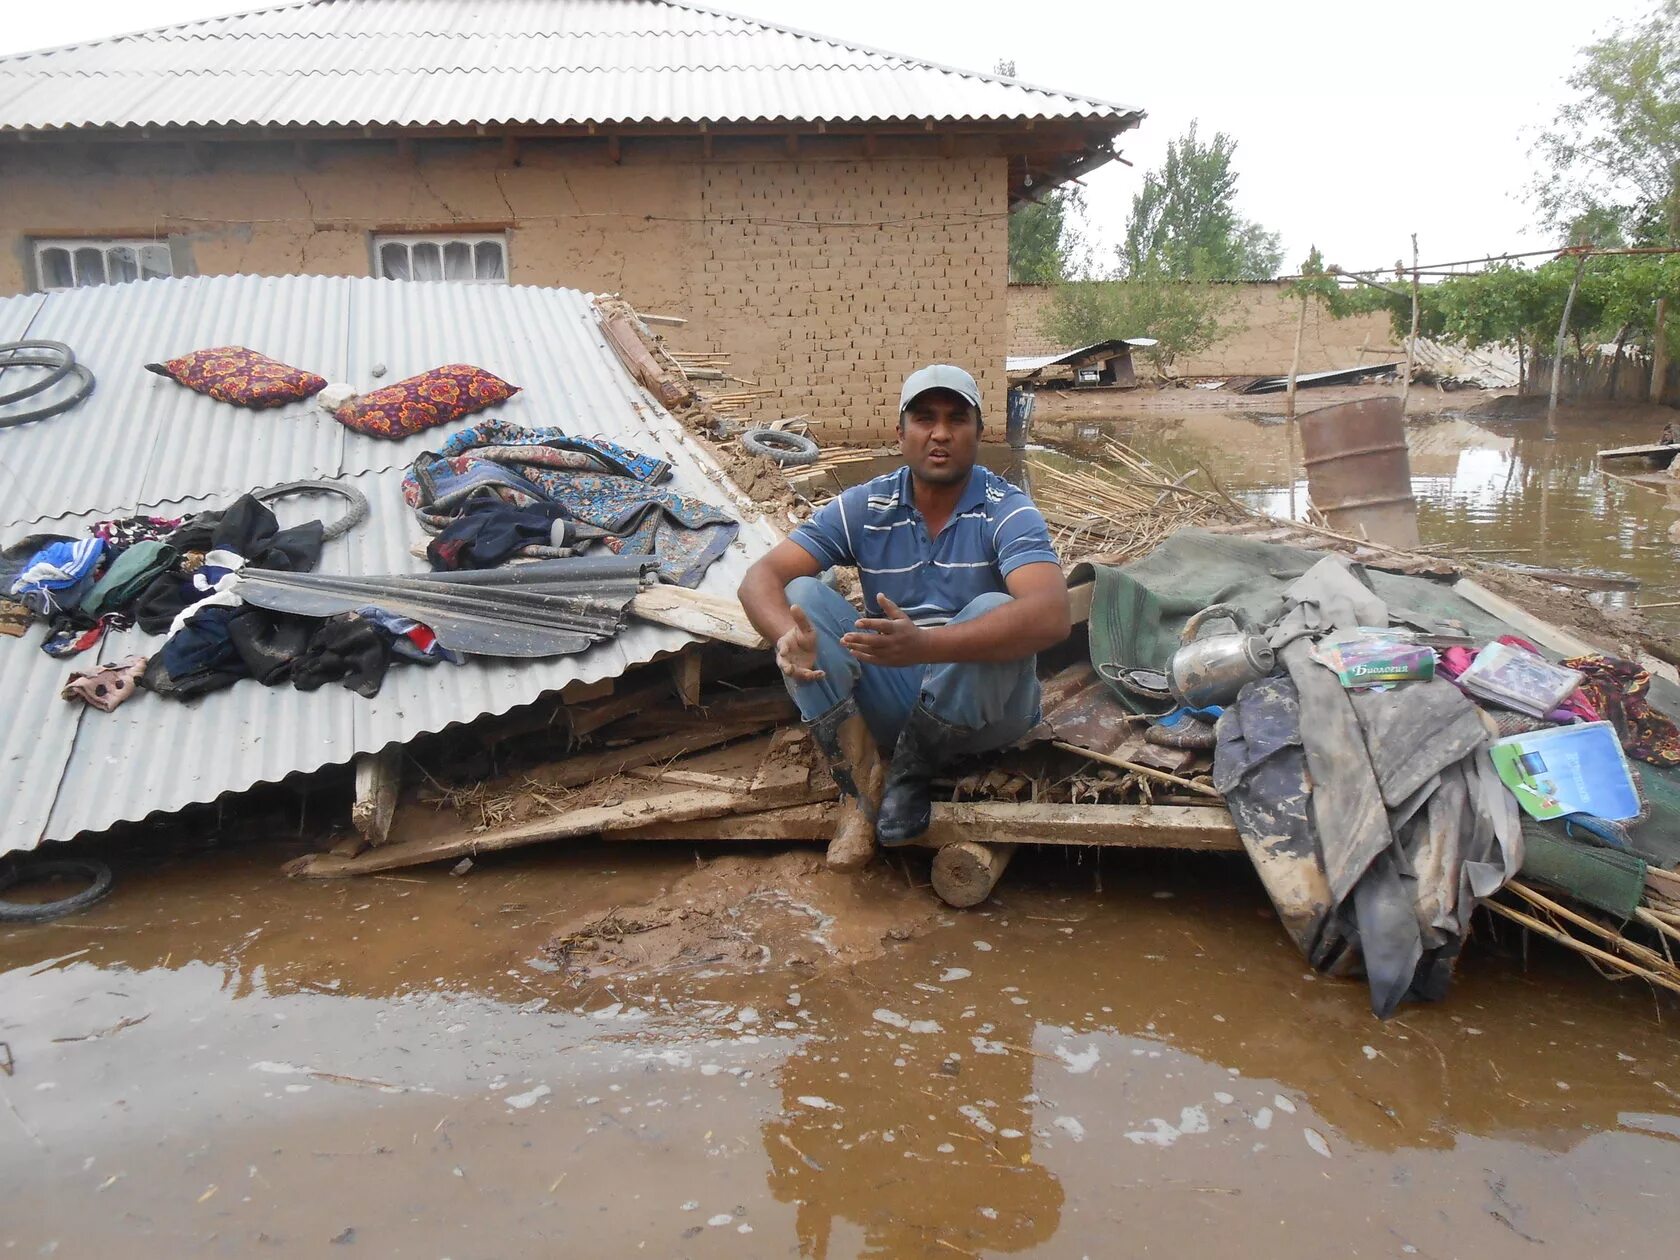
[[1123, 504], [1609, 946]]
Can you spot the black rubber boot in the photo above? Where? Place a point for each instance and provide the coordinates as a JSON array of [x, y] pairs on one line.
[[926, 743]]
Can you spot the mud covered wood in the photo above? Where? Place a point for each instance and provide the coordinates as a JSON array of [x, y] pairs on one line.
[[965, 873], [378, 776], [710, 616]]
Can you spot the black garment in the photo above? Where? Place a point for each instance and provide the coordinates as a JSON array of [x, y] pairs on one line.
[[248, 529], [346, 649], [270, 643], [488, 531], [201, 658]]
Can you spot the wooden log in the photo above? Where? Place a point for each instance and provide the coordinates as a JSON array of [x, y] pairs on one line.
[[378, 777], [632, 350], [710, 616], [965, 873], [685, 671]]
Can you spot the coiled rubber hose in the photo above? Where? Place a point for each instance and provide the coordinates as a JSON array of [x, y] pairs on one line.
[[61, 363], [343, 525]]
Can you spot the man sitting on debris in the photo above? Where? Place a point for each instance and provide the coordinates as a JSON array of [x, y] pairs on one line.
[[960, 588]]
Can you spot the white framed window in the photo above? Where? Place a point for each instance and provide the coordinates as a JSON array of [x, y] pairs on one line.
[[76, 264], [466, 258]]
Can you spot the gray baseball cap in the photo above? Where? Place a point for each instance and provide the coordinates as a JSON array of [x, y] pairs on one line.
[[938, 376]]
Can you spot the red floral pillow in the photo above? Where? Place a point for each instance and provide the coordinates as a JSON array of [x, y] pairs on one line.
[[425, 401], [233, 374]]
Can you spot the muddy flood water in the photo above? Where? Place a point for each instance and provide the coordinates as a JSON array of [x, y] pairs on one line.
[[1119, 1055]]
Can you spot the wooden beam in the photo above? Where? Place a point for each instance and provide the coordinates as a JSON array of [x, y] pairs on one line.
[[685, 671], [674, 805], [792, 823], [1118, 826], [577, 771], [513, 151], [378, 777], [407, 149], [710, 616], [615, 152], [1079, 601], [1524, 623], [792, 143], [1189, 827]]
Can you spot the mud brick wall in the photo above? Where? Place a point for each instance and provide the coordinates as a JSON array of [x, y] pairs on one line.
[[826, 279], [831, 318], [1260, 342]]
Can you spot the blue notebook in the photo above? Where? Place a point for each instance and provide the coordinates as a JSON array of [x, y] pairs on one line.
[[1578, 769]]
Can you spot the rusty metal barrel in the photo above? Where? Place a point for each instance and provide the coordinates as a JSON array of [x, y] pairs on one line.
[[1358, 472]]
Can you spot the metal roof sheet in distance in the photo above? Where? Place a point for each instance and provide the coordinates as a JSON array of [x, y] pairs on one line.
[[417, 63], [66, 769]]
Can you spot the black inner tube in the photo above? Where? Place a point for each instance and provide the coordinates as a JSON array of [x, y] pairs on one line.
[[61, 363]]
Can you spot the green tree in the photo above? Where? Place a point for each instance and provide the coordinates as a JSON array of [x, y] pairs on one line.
[[1184, 223], [1184, 317], [1613, 152], [1046, 243]]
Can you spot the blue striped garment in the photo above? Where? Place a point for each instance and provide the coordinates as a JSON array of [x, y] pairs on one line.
[[876, 527]]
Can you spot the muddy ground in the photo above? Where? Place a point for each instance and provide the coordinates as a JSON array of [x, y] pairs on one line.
[[1114, 1058]]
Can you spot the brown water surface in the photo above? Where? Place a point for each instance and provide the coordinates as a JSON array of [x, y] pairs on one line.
[[1125, 1061], [1497, 487]]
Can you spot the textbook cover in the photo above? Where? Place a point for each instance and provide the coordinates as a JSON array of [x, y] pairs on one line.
[[1577, 769]]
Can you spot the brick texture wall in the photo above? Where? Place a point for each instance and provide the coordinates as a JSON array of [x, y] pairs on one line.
[[911, 267], [830, 319]]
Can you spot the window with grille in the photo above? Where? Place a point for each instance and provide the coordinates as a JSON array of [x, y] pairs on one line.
[[77, 264], [464, 259]]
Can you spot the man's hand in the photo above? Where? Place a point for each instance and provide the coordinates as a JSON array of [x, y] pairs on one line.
[[796, 651], [890, 640]]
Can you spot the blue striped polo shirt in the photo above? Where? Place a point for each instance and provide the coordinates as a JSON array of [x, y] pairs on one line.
[[994, 530]]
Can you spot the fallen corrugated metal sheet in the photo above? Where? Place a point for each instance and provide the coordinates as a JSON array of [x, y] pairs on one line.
[[1018, 363], [1307, 380], [536, 62], [65, 769]]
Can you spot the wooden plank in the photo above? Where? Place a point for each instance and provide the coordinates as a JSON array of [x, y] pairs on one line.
[[576, 771], [710, 616], [1079, 601], [1118, 826], [685, 672], [378, 776], [675, 804], [1524, 623], [765, 706], [791, 823], [989, 822]]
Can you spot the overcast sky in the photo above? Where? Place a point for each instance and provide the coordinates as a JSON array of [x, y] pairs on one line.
[[1356, 125]]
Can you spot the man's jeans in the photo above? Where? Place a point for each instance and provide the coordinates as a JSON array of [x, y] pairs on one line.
[[999, 701]]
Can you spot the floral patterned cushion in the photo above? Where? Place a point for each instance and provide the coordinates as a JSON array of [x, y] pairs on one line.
[[425, 401], [233, 374]]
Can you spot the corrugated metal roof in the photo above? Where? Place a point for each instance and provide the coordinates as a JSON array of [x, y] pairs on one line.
[[143, 442], [415, 63]]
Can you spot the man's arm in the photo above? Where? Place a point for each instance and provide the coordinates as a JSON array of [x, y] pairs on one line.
[[1036, 618], [763, 596]]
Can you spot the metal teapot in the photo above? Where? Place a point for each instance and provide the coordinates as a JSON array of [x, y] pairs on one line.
[[1209, 671]]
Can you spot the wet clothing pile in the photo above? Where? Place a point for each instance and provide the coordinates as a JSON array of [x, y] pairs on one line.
[[1375, 818], [606, 496]]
